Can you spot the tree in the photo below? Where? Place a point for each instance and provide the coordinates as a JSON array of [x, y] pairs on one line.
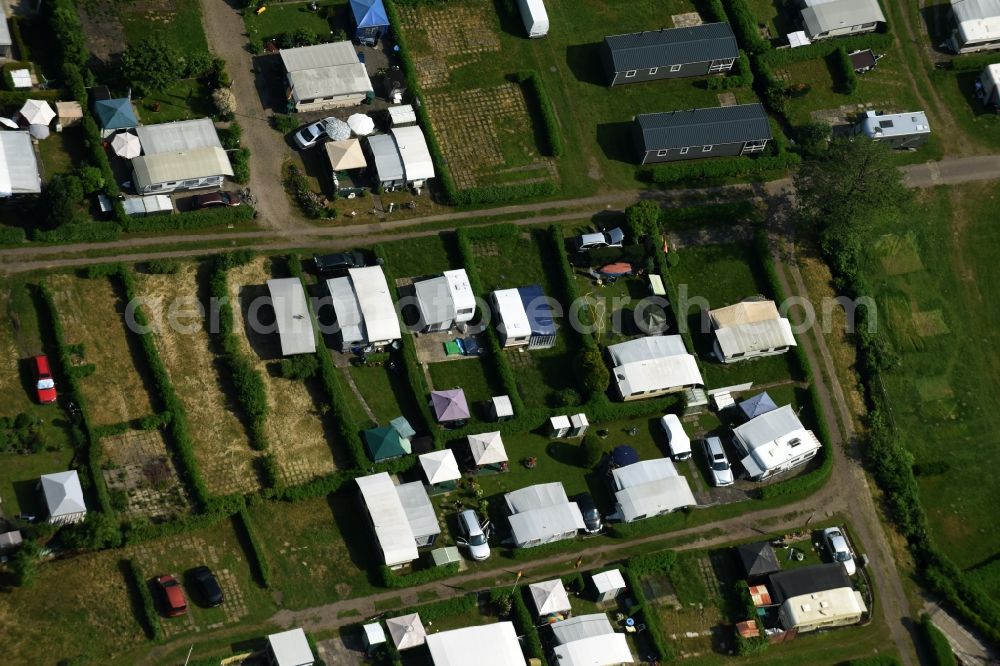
[[593, 373], [812, 138], [91, 179], [24, 564], [642, 218], [61, 200], [592, 450], [152, 64], [97, 531], [845, 193], [225, 102]]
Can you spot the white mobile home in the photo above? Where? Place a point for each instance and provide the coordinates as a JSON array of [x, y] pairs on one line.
[[402, 517], [18, 165], [325, 76], [835, 18], [182, 155], [774, 442], [589, 640], [512, 320], [988, 86], [489, 645], [542, 514], [750, 329], [534, 17], [902, 131], [649, 488], [375, 301], [384, 156], [291, 313], [820, 610], [350, 324], [652, 366], [976, 25], [413, 152], [445, 301]]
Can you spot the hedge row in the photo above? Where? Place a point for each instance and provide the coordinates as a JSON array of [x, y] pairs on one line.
[[178, 432], [532, 81], [150, 618], [196, 219], [567, 281], [499, 194], [251, 392], [321, 486], [664, 651], [84, 442], [741, 76], [722, 167], [436, 610], [846, 77], [744, 24], [525, 625], [261, 565], [78, 232], [389, 578], [938, 648], [11, 235], [972, 62]]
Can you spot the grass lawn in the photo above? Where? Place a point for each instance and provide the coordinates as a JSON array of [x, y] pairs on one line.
[[318, 549], [776, 15], [417, 257], [290, 16], [958, 92], [182, 100], [62, 151], [387, 394], [476, 376], [179, 21], [593, 118], [19, 479], [938, 305]]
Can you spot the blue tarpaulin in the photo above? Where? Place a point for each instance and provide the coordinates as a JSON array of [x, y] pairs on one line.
[[539, 311], [370, 19], [115, 113]]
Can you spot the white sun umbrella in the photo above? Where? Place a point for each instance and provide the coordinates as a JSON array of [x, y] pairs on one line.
[[7, 122], [361, 124], [337, 129], [39, 131], [407, 631], [126, 144], [37, 112]]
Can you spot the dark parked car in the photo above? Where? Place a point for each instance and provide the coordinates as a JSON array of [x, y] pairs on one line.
[[336, 264], [208, 586], [591, 516], [214, 200], [173, 595]]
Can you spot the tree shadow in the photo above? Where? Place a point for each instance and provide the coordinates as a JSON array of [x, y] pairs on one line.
[[259, 321], [29, 497], [135, 597], [510, 18], [937, 19], [564, 453], [584, 61], [615, 140]]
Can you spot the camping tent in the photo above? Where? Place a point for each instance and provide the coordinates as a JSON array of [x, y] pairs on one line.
[[757, 405], [385, 443], [345, 155], [549, 597], [758, 559], [371, 20], [115, 114], [450, 406], [64, 497], [403, 427], [491, 644], [407, 631], [37, 112], [595, 651], [440, 467], [487, 449], [502, 407]]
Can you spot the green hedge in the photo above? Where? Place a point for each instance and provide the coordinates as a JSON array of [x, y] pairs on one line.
[[389, 578], [972, 62], [847, 78], [499, 194], [664, 651], [261, 565], [744, 24], [11, 235], [196, 219], [525, 624], [150, 618], [741, 76], [177, 431], [564, 271], [251, 391], [463, 605], [532, 81], [938, 648], [78, 232], [23, 52], [140, 530], [321, 486]]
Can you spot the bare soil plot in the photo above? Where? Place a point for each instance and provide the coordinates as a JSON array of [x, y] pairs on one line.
[[93, 315], [78, 606], [296, 430], [221, 447], [139, 470]]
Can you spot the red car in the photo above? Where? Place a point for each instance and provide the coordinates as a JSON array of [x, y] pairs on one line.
[[45, 387], [173, 595]]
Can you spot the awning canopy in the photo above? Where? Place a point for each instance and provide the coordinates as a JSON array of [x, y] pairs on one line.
[[539, 526], [490, 644], [290, 648], [63, 493], [549, 597], [487, 448], [295, 327], [440, 466], [345, 155], [384, 443], [37, 112], [450, 405], [595, 651], [580, 627], [115, 114], [375, 301], [609, 581], [403, 427], [389, 521], [407, 631]]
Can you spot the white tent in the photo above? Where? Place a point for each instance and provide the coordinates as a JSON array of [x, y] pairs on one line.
[[417, 164], [487, 448], [361, 124], [345, 155], [407, 631], [549, 597], [37, 112], [295, 327], [608, 584], [290, 648], [63, 497], [540, 526], [373, 634], [502, 407], [580, 627], [375, 300], [126, 144], [650, 488], [388, 518], [440, 466], [595, 651], [485, 645], [650, 378]]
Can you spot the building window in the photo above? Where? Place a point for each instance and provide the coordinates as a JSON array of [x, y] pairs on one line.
[[661, 153], [706, 149], [684, 151], [629, 74], [653, 70], [675, 68]]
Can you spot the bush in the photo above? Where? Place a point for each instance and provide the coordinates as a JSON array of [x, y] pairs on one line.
[[390, 578], [847, 78], [284, 123], [150, 619], [525, 625], [163, 266], [723, 167], [96, 532], [78, 232], [744, 24], [938, 647], [240, 160], [262, 568], [592, 450], [11, 235], [972, 62], [297, 186], [532, 82], [195, 219], [592, 371], [24, 564], [300, 366], [740, 76], [566, 397], [231, 136]]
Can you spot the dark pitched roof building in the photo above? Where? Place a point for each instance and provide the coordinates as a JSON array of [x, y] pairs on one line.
[[696, 133], [661, 54], [807, 580], [758, 559]]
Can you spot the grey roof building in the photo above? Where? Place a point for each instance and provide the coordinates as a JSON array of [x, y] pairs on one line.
[[697, 133], [386, 160], [666, 54], [18, 165], [833, 18], [182, 155]]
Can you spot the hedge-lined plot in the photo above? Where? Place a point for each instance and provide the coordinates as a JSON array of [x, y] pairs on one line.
[[141, 477], [295, 420], [221, 446], [92, 315]]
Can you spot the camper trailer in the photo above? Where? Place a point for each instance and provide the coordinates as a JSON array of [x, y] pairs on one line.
[[536, 19], [902, 131]]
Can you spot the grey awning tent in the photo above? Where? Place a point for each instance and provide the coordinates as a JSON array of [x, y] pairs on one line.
[[758, 559], [757, 405]]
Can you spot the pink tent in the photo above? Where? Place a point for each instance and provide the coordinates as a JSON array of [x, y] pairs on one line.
[[450, 405]]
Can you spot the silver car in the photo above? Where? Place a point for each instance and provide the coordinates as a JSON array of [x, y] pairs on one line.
[[473, 536], [836, 545], [718, 463]]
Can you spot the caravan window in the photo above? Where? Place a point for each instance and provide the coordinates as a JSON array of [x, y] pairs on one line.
[[675, 68], [653, 70], [629, 74]]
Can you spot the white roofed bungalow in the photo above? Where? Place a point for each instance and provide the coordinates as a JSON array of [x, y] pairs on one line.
[[834, 18], [649, 488], [325, 76], [402, 517], [375, 301], [652, 366], [487, 449], [750, 329], [976, 25], [445, 301], [511, 317], [549, 596], [295, 328], [182, 155], [486, 645], [542, 514], [417, 165], [774, 442]]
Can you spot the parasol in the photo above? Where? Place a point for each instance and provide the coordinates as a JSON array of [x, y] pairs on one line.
[[361, 124], [37, 112], [126, 144]]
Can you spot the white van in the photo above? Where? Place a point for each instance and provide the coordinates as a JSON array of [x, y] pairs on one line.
[[680, 443], [536, 19]]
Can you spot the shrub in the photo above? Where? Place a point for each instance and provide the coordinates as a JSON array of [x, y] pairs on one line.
[[231, 136], [723, 167], [150, 619], [284, 123], [240, 160], [532, 82], [195, 219], [163, 266], [78, 232], [11, 235], [525, 625], [566, 397], [592, 450], [300, 366], [745, 26], [24, 564], [96, 532], [297, 186], [844, 72], [262, 568], [641, 219], [390, 578], [592, 371]]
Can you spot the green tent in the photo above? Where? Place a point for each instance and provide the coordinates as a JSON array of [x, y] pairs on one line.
[[385, 443]]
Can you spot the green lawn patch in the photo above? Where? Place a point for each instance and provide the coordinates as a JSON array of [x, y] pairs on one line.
[[19, 479], [182, 100], [289, 17], [417, 257], [178, 20], [62, 151], [387, 394], [476, 376]]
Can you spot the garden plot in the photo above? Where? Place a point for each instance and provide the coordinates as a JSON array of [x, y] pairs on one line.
[[141, 477], [218, 548], [78, 606], [221, 446], [20, 339], [295, 428], [92, 317]]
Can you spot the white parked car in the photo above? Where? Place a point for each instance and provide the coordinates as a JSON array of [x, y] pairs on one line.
[[677, 439], [718, 463], [594, 241], [310, 135], [473, 536], [836, 545]]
